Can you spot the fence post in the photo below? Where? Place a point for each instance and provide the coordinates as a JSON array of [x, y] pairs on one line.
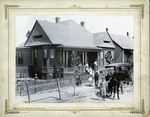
[[28, 92], [20, 88], [74, 85], [35, 81], [58, 84]]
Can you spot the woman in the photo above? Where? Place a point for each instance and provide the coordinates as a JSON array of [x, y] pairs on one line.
[[91, 76]]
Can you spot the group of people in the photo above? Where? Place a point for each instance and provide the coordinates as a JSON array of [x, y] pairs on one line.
[[112, 81], [96, 77]]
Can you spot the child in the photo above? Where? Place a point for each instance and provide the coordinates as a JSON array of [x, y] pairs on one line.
[[90, 77], [86, 68], [103, 88], [90, 80], [78, 80]]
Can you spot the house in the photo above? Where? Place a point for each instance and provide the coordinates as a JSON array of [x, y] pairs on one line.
[[52, 47], [121, 47]]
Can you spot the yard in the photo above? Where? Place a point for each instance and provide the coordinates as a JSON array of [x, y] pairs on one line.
[[48, 93]]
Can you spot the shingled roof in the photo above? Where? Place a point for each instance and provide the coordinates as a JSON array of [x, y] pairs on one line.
[[71, 34], [124, 42], [67, 33]]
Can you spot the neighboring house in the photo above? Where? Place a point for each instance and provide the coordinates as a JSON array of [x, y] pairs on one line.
[[123, 51], [120, 46], [59, 46]]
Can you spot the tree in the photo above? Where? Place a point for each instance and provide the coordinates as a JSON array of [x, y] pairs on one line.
[[74, 58], [58, 65]]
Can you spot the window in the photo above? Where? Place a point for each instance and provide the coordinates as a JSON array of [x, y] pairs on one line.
[[37, 36], [45, 58], [45, 53], [35, 58], [20, 57], [35, 53], [51, 56], [51, 53]]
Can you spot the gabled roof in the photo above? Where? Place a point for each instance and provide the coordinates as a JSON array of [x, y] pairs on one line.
[[67, 33], [71, 34], [124, 42], [102, 39]]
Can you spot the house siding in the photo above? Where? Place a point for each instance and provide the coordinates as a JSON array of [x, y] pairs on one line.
[[118, 57]]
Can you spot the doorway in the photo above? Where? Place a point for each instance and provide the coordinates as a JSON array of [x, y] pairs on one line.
[[91, 58]]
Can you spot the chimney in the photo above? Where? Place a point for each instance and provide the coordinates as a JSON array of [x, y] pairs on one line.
[[128, 34], [82, 23], [57, 19], [106, 29]]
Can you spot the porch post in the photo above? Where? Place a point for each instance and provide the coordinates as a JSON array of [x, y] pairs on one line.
[[83, 58], [98, 58], [63, 58], [123, 56], [104, 61], [66, 58]]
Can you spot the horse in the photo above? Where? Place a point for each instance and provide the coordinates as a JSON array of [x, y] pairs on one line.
[[117, 80], [108, 77]]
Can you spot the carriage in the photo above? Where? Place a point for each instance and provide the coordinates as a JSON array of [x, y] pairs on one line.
[[124, 75], [112, 66]]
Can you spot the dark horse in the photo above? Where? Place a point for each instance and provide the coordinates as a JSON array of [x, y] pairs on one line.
[[117, 80]]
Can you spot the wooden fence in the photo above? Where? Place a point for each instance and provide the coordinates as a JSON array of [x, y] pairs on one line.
[[30, 86]]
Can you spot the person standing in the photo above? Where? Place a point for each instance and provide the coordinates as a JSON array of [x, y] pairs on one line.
[[90, 77], [95, 66], [103, 88], [87, 68], [96, 78]]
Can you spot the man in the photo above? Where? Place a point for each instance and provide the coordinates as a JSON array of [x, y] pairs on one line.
[[96, 78]]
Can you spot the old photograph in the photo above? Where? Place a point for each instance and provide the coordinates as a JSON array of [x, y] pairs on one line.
[[74, 59]]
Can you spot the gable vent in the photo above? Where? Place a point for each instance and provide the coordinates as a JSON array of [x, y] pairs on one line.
[[38, 36]]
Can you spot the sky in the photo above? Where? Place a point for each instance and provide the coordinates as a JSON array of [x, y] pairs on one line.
[[116, 24]]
